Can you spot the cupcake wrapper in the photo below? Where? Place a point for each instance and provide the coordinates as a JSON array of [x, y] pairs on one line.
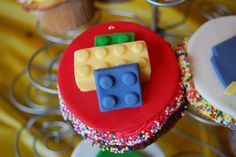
[[67, 16]]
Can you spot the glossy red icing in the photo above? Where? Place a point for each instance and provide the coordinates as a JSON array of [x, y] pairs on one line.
[[157, 93]]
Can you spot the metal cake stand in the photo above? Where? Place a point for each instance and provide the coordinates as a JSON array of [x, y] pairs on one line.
[[37, 84]]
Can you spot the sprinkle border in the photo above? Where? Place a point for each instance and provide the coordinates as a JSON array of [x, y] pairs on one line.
[[117, 142]]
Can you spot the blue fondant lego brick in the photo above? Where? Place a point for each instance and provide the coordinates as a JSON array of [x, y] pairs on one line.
[[118, 87], [224, 61]]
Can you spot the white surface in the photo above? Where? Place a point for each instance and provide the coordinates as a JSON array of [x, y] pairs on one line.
[[199, 52], [85, 149]]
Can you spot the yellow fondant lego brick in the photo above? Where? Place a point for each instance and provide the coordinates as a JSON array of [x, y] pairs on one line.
[[231, 89], [87, 60]]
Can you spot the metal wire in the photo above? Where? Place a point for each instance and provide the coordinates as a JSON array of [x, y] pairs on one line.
[[165, 3], [189, 153], [56, 130], [17, 141], [36, 109], [45, 98], [188, 136], [50, 37], [32, 110], [155, 15], [125, 14], [200, 119], [186, 13], [212, 10], [29, 68], [68, 36]]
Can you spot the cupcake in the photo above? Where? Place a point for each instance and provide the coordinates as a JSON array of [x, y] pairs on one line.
[[119, 86], [60, 16], [207, 64]]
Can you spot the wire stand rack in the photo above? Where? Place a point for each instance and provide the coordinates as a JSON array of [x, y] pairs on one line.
[[34, 91], [38, 97]]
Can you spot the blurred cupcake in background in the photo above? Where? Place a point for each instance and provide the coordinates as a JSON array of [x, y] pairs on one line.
[[60, 16], [207, 62]]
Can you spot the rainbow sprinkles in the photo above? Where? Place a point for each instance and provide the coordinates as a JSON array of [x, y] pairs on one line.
[[196, 100], [118, 142]]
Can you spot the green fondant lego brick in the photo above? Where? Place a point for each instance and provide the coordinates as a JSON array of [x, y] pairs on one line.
[[126, 154], [115, 38]]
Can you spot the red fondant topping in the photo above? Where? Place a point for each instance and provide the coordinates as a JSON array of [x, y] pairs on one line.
[[157, 93]]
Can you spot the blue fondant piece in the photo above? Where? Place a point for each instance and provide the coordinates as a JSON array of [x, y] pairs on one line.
[[109, 101], [106, 82], [129, 79], [224, 61], [131, 98], [118, 87]]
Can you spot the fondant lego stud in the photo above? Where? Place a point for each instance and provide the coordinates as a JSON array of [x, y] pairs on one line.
[[115, 38], [87, 60], [118, 87], [224, 64]]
